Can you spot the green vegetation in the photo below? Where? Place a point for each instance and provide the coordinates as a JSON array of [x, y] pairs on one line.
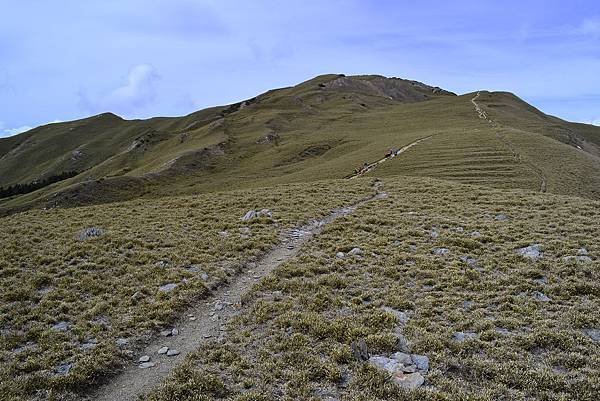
[[320, 129], [293, 341], [94, 266], [68, 294]]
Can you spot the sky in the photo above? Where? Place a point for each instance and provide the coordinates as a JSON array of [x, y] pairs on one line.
[[62, 60]]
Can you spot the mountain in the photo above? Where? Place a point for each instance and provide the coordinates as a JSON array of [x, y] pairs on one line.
[[322, 128], [357, 238]]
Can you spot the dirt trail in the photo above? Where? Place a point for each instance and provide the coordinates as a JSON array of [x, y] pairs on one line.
[[371, 166], [536, 170], [213, 314]]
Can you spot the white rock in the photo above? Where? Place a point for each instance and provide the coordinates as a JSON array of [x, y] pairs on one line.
[[172, 352], [339, 255], [146, 365], [355, 251], [409, 381], [163, 350], [533, 252], [167, 287], [144, 358]]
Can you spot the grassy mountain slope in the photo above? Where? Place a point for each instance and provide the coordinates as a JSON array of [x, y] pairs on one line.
[[322, 128]]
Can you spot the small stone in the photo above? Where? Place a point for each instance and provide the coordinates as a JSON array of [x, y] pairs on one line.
[[468, 304], [166, 333], [122, 342], [579, 258], [594, 334], [533, 252], [204, 276], [63, 369], [61, 326], [359, 350], [409, 369], [339, 255], [355, 252], [541, 281], [144, 358], [146, 365], [251, 214], [402, 358], [441, 251], [539, 296], [89, 344], [582, 252], [400, 315], [163, 350], [421, 362], [409, 381], [167, 287], [91, 232], [472, 262], [460, 336], [218, 306], [174, 332], [501, 217], [207, 335], [172, 352], [433, 233], [161, 264], [193, 318], [224, 233], [475, 234], [137, 296], [384, 363]]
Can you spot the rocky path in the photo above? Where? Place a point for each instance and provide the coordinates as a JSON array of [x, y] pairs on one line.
[[536, 170], [209, 319], [371, 166]]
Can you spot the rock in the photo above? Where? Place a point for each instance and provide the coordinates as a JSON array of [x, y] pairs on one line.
[[163, 350], [594, 334], [541, 281], [501, 217], [172, 352], [461, 336], [61, 326], [144, 358], [219, 306], [166, 333], [468, 304], [175, 331], [265, 213], [340, 255], [472, 262], [433, 233], [382, 362], [167, 287], [355, 252], [421, 362], [533, 252], [251, 214], [63, 369], [122, 342], [502, 330], [403, 358], [224, 233], [409, 369], [540, 296], [89, 344], [582, 252], [475, 234], [146, 365], [137, 296], [359, 350], [441, 251], [409, 381], [204, 276], [401, 316], [459, 229], [91, 232], [161, 264]]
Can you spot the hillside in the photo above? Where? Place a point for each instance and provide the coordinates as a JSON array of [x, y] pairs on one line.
[[323, 128]]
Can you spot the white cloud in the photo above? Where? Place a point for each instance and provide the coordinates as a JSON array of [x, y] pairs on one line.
[[137, 91], [6, 132]]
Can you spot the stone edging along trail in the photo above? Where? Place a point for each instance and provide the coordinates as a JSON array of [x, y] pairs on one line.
[[212, 315], [536, 170], [371, 166]]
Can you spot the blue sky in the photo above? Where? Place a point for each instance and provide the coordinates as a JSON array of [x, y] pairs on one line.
[[61, 59]]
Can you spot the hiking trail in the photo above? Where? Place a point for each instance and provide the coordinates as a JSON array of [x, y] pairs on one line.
[[212, 314], [536, 170], [371, 166]]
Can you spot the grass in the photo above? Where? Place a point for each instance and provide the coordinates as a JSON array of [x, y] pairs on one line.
[[293, 340], [322, 132], [65, 301]]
